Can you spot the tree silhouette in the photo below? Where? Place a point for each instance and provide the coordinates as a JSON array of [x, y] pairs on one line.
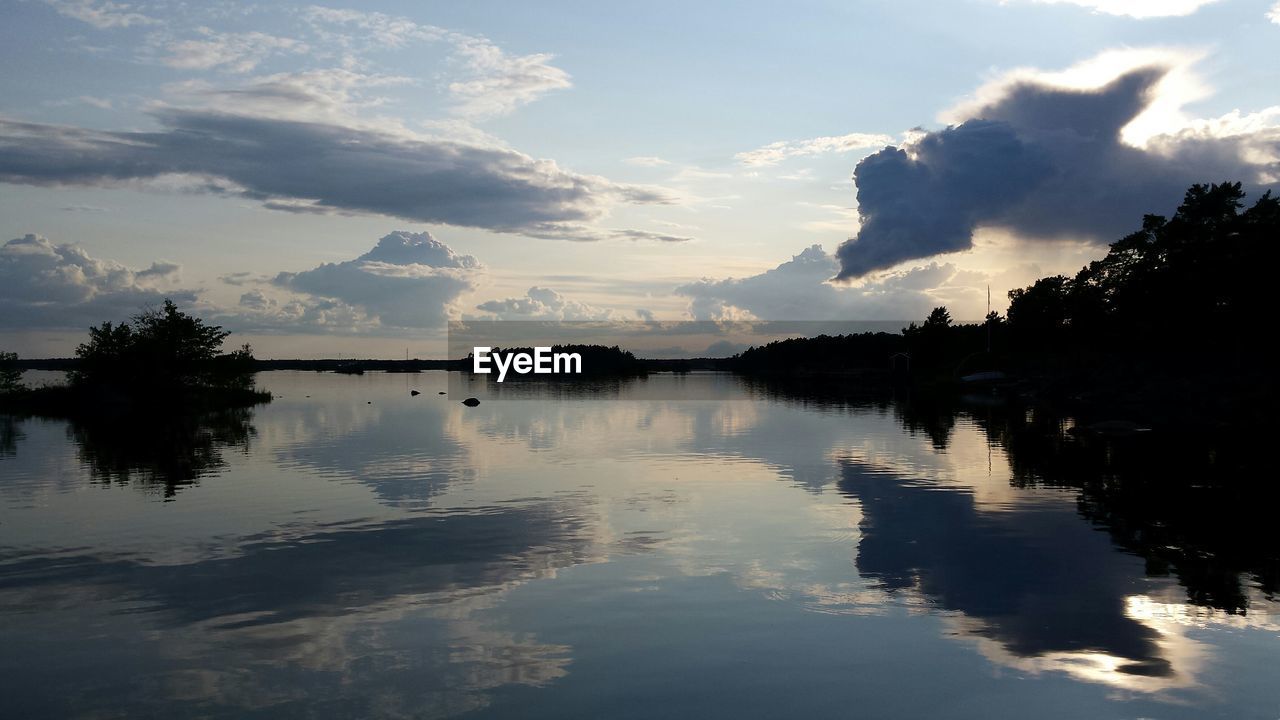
[[1208, 268], [159, 349], [940, 317], [10, 374]]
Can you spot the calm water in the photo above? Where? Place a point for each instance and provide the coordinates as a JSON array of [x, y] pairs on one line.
[[352, 551]]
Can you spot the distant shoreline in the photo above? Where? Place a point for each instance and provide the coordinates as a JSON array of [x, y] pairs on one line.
[[373, 365]]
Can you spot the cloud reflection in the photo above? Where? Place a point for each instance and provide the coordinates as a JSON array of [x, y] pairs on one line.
[[375, 604]]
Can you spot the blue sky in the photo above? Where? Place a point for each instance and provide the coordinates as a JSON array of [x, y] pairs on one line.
[[328, 179]]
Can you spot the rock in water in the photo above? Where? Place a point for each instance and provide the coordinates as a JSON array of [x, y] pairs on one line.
[[414, 393], [442, 393], [471, 402]]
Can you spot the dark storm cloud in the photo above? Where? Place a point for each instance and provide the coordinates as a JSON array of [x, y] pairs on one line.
[[1041, 161], [319, 167]]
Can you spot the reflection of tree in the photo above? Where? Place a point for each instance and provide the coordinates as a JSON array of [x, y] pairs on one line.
[[824, 391], [920, 413], [9, 435], [1190, 506], [1182, 503], [923, 414], [158, 449]]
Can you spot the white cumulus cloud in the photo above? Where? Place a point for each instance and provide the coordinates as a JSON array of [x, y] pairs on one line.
[[541, 303], [60, 285], [799, 289], [407, 280]]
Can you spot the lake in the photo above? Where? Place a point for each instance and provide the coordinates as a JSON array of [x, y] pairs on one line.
[[351, 550]]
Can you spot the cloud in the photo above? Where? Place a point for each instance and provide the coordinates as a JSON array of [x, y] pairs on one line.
[[238, 278], [319, 167], [723, 349], [100, 103], [257, 300], [787, 292], [799, 290], [1048, 161], [260, 312], [646, 161], [381, 30], [541, 303], [407, 280], [1140, 9], [160, 270], [333, 95], [49, 285], [493, 82], [101, 14], [650, 235], [237, 52], [1274, 14], [498, 83], [774, 153]]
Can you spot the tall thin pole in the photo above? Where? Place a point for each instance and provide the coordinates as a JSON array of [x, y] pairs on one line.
[[988, 318]]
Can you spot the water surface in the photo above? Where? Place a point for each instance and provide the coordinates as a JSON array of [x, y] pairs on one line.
[[351, 550]]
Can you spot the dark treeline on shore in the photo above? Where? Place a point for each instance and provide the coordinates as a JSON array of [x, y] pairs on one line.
[[1197, 282], [1171, 324]]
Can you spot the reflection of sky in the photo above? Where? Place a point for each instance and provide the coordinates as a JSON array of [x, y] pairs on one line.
[[378, 554], [397, 448], [335, 602]]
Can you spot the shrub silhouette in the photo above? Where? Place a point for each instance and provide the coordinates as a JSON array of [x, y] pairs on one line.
[[161, 350], [10, 374]]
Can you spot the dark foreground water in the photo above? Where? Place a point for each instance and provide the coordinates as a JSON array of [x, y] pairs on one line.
[[352, 551]]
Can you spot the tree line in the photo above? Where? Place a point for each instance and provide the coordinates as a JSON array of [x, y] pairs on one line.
[[1192, 288], [1203, 278]]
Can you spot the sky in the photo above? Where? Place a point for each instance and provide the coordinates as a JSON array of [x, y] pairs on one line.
[[344, 179]]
